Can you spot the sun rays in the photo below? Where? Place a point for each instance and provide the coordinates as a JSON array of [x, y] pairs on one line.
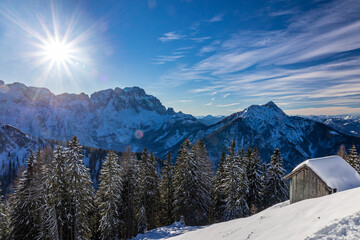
[[58, 47]]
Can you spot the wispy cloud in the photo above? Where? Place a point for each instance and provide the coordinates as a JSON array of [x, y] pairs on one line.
[[186, 101], [211, 47], [164, 59], [208, 104], [200, 39], [316, 57], [226, 95], [170, 36], [227, 105], [217, 18]]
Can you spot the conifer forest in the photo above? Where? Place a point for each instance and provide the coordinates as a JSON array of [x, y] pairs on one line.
[[55, 198]]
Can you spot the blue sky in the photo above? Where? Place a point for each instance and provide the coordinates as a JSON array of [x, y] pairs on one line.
[[200, 57]]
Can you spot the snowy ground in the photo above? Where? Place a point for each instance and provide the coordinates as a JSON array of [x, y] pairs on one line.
[[166, 232], [336, 216]]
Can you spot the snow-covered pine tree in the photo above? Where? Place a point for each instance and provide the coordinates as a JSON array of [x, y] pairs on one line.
[[263, 185], [24, 216], [166, 187], [58, 197], [254, 198], [276, 187], [190, 199], [235, 186], [342, 152], [247, 160], [353, 158], [40, 174], [130, 194], [4, 219], [206, 178], [219, 195], [142, 220], [108, 198], [81, 192], [149, 188]]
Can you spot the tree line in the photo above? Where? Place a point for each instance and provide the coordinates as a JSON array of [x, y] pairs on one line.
[[55, 199]]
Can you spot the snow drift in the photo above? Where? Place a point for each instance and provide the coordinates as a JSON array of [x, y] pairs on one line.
[[336, 216]]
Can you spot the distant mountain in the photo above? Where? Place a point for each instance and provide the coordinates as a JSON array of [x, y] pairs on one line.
[[268, 127], [119, 119], [210, 119], [348, 124], [15, 146], [110, 119]]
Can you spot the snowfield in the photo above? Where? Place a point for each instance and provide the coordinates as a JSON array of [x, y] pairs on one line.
[[336, 216]]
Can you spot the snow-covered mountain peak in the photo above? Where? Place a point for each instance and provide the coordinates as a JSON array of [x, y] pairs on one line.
[[128, 98], [268, 112]]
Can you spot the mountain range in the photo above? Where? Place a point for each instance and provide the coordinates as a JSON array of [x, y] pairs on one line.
[[120, 119], [348, 124]]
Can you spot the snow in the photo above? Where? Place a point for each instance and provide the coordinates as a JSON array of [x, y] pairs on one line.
[[334, 171], [174, 229], [336, 216]]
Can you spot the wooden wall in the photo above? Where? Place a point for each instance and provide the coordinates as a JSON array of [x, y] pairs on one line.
[[306, 184]]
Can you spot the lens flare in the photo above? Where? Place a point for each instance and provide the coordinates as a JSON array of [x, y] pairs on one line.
[[139, 134]]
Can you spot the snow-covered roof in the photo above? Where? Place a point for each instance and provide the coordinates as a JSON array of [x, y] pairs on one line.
[[334, 171]]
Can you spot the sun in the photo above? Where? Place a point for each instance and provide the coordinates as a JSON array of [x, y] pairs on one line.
[[59, 45], [57, 51]]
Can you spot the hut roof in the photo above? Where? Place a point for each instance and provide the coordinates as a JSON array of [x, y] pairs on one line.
[[333, 170]]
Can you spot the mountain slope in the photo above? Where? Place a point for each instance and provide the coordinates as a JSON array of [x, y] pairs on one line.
[[268, 127], [210, 120], [335, 216], [15, 146], [111, 119]]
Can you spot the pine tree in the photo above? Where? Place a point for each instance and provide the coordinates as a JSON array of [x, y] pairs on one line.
[[235, 186], [166, 187], [206, 177], [24, 217], [263, 185], [130, 194], [4, 219], [353, 158], [276, 187], [342, 152], [58, 202], [247, 161], [254, 174], [109, 198], [142, 220], [192, 198], [81, 192], [219, 195], [40, 173], [149, 188]]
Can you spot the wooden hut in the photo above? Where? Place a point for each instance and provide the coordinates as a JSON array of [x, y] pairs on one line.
[[321, 176]]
